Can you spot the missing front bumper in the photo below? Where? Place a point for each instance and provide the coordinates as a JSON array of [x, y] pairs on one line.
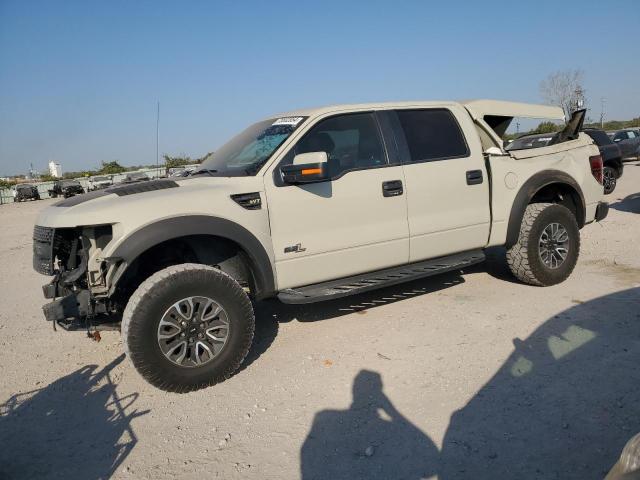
[[74, 306], [77, 311]]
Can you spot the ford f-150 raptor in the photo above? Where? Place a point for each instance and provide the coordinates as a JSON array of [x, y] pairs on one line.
[[312, 205]]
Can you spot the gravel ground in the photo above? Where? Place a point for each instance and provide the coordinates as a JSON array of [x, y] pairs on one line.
[[466, 375]]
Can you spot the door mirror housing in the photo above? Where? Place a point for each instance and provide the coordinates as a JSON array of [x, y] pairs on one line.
[[306, 168]]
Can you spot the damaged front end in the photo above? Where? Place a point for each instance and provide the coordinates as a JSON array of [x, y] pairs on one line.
[[65, 253]]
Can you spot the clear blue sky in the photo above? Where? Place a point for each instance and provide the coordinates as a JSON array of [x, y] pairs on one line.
[[79, 80]]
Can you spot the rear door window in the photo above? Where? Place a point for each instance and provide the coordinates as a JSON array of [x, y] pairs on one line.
[[432, 134]]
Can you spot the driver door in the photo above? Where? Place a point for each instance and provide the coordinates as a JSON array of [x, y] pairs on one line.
[[353, 223]]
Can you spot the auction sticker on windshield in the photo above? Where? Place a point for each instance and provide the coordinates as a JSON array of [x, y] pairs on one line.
[[288, 121]]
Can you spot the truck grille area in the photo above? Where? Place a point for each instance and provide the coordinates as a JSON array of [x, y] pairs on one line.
[[51, 244], [43, 250]]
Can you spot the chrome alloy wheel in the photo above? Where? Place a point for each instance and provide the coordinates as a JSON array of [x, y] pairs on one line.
[[193, 331], [553, 245]]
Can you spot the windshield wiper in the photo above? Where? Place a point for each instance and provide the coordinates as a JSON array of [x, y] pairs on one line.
[[208, 171]]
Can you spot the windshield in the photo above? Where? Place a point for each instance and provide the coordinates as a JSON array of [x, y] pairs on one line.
[[247, 152], [100, 179], [69, 183]]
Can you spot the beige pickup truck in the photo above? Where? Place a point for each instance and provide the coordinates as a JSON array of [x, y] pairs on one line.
[[308, 206]]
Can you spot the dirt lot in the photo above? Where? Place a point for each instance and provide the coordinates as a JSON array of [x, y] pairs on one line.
[[468, 375]]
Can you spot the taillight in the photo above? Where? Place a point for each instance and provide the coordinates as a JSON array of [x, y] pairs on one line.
[[596, 167]]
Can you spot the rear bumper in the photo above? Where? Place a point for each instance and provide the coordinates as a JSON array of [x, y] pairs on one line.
[[602, 210]]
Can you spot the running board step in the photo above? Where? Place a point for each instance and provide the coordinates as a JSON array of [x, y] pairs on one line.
[[379, 279]]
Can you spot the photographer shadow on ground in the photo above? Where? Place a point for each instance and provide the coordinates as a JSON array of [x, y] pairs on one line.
[[76, 427], [369, 440], [631, 204], [564, 403]]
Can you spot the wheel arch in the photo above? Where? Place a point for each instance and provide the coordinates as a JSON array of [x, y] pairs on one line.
[[198, 227], [552, 186]]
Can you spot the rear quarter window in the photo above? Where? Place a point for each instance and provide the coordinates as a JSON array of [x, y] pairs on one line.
[[432, 134]]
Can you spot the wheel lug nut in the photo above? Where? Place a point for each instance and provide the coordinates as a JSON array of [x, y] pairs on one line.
[[184, 324]]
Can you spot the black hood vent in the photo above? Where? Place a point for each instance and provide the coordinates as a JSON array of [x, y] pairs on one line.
[[141, 187], [120, 190]]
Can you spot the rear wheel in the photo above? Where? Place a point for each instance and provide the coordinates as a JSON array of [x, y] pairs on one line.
[[188, 327], [548, 245], [610, 178]]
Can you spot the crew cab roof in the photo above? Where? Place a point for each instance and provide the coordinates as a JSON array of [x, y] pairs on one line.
[[493, 116], [498, 108], [477, 108]]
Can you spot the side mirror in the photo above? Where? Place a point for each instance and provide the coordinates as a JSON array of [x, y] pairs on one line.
[[306, 168]]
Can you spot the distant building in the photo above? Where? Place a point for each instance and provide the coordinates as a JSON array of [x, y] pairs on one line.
[[55, 169]]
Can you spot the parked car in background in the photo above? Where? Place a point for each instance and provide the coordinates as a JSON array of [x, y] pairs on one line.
[[66, 188], [134, 177], [611, 157], [178, 172], [628, 141], [610, 152], [99, 182], [24, 192]]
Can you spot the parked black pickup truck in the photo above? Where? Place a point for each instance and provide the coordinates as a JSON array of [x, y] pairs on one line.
[[611, 158], [66, 188], [24, 192]]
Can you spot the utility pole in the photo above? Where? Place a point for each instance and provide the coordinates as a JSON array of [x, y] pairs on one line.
[[602, 102], [158, 140]]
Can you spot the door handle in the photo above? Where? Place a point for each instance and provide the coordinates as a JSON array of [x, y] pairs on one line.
[[474, 177], [392, 188]]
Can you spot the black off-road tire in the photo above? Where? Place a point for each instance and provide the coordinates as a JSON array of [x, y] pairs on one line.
[[155, 295], [524, 258], [610, 176]]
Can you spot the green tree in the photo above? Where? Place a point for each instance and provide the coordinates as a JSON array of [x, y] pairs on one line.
[[111, 168]]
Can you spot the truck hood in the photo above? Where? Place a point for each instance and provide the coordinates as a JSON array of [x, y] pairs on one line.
[[142, 203]]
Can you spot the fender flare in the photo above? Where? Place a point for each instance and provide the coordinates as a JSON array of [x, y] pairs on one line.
[[171, 228], [532, 186]]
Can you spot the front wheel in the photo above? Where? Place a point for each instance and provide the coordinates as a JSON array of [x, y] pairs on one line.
[[548, 245], [188, 327], [610, 178]]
